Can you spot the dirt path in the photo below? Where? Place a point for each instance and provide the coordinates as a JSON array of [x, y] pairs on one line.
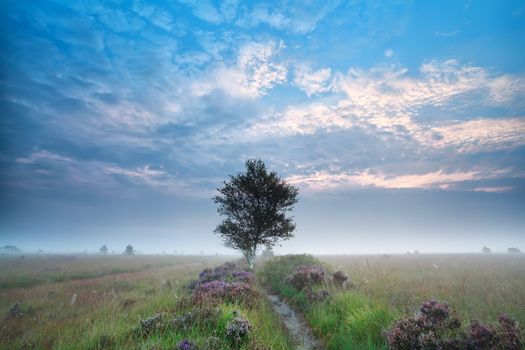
[[294, 322]]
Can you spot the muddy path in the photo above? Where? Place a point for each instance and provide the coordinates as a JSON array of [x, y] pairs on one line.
[[301, 334]]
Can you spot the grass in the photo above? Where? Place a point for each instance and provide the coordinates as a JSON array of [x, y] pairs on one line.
[[107, 309], [388, 288], [347, 320], [114, 292], [476, 286]]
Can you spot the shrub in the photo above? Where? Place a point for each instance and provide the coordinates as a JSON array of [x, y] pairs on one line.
[[306, 276], [238, 329], [339, 278], [214, 291], [197, 316], [150, 325], [434, 328], [318, 296], [186, 345]]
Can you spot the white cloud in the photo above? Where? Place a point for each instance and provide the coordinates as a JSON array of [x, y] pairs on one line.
[[389, 53], [324, 180], [505, 88], [255, 72], [42, 156], [494, 189], [388, 99], [477, 135], [312, 82]]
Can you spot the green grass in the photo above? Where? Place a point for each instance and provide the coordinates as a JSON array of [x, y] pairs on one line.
[[99, 320], [347, 320]]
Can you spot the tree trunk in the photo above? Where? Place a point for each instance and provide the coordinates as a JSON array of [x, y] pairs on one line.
[[249, 255]]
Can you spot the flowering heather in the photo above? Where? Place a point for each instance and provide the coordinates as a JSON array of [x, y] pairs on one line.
[[220, 290], [238, 329], [227, 272], [187, 321], [318, 296], [339, 278], [305, 276], [434, 328], [185, 345], [149, 325]]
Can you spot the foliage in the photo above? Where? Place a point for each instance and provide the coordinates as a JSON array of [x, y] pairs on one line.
[[339, 278], [104, 249], [513, 250], [486, 250], [433, 327], [10, 249], [238, 330], [255, 204], [342, 320], [129, 250], [306, 276]]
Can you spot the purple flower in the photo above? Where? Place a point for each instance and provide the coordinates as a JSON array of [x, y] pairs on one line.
[[186, 345]]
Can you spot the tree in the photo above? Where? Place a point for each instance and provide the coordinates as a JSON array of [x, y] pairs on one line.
[[129, 250], [10, 249], [486, 250], [513, 250], [255, 204], [104, 249]]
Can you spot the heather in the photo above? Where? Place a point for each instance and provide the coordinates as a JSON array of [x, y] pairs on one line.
[[147, 309]]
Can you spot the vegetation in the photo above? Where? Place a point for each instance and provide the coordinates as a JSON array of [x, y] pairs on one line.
[[129, 250], [202, 302], [10, 249], [342, 319], [153, 309], [255, 204], [104, 249]]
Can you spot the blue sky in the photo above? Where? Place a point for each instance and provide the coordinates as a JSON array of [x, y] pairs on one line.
[[403, 123]]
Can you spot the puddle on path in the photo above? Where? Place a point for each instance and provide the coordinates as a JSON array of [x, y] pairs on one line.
[[297, 327]]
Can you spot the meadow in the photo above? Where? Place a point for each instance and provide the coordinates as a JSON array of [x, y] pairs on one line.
[[149, 302]]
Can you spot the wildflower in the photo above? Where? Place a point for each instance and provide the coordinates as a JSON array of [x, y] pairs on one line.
[[185, 345], [238, 329]]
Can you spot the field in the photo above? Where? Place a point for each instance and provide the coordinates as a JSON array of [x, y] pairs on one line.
[[98, 302]]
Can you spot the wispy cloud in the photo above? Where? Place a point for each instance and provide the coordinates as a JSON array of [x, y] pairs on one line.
[[256, 71], [324, 180], [312, 82]]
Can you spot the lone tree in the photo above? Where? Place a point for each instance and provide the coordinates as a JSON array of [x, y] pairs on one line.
[[255, 204], [129, 250], [486, 250], [104, 249]]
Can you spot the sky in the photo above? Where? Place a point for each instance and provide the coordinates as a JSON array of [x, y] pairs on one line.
[[402, 123]]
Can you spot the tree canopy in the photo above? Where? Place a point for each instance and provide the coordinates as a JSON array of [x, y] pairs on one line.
[[255, 204]]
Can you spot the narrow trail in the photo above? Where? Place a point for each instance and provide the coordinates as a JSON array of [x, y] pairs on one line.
[[301, 334]]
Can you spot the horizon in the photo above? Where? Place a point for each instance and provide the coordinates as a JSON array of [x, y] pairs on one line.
[[402, 125]]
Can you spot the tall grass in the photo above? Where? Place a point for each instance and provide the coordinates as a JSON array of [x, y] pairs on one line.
[[347, 320], [107, 310]]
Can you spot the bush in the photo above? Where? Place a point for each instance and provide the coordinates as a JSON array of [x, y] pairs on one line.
[[434, 328], [306, 276], [339, 278], [238, 329], [186, 345]]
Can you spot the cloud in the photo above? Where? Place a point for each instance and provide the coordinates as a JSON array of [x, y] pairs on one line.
[[389, 53], [255, 72], [42, 156], [389, 100], [324, 180], [478, 135], [495, 189], [291, 16], [312, 82]]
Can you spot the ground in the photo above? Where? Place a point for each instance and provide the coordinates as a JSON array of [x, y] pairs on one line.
[[90, 302]]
